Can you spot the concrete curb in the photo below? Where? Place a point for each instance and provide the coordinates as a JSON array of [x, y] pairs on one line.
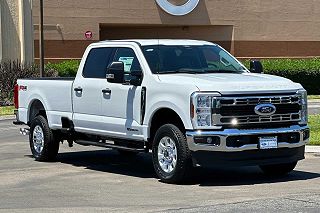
[[313, 100], [312, 149], [7, 117]]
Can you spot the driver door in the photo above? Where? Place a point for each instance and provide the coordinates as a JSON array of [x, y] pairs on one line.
[[121, 107]]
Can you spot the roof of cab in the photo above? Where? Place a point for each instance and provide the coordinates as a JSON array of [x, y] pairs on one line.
[[147, 42]]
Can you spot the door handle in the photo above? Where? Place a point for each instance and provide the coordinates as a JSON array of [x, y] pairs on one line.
[[106, 91], [78, 89]]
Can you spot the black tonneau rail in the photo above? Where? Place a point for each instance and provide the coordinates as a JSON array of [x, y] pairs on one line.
[[52, 78]]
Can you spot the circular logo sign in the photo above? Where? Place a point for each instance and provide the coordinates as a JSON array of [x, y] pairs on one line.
[[88, 35], [178, 10], [265, 109]]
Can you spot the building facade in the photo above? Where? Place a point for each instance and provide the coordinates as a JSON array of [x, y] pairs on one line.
[[247, 28], [16, 31]]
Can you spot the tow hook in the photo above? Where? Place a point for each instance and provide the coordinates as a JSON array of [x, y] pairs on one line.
[[24, 131]]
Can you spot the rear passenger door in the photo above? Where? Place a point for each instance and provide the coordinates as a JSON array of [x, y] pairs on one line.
[[87, 90]]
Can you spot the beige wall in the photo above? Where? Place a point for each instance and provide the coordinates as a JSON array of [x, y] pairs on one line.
[[261, 28], [16, 34]]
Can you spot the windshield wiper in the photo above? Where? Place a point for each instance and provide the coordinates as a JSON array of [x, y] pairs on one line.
[[223, 71], [186, 71]]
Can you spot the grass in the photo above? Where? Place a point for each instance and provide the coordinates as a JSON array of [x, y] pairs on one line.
[[7, 110], [314, 123], [313, 96]]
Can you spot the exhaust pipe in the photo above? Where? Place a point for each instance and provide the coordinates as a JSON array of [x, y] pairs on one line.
[[24, 131]]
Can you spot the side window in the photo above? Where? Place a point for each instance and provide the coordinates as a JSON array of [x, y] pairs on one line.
[[130, 60], [97, 62]]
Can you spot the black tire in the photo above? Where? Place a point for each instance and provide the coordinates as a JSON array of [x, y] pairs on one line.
[[183, 165], [50, 145], [278, 169]]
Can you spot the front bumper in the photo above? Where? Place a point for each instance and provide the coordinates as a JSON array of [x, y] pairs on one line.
[[248, 154]]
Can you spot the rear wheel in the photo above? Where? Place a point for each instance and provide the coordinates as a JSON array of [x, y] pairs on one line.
[[278, 169], [171, 155], [43, 145]]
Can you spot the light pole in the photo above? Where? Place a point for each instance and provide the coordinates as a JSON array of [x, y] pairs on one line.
[[41, 40]]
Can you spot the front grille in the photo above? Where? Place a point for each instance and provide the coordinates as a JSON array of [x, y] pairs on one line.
[[241, 110]]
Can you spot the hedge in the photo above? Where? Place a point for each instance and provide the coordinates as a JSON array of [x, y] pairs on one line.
[[303, 71], [65, 68]]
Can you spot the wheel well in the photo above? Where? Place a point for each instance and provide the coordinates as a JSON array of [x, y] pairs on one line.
[[165, 116], [36, 109]]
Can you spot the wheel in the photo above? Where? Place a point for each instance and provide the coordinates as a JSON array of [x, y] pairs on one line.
[[43, 145], [171, 155], [278, 169]]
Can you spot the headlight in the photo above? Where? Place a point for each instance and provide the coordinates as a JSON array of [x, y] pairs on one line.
[[304, 106], [201, 109]]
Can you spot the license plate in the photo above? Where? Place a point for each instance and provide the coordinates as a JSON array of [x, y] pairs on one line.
[[268, 142]]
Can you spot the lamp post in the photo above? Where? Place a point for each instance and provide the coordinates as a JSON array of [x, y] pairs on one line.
[[41, 40]]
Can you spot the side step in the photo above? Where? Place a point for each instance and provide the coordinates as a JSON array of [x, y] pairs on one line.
[[107, 145]]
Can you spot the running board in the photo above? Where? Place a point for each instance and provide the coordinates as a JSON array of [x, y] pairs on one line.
[[107, 145]]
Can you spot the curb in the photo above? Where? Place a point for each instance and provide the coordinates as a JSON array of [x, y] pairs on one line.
[[312, 149], [7, 117], [313, 100]]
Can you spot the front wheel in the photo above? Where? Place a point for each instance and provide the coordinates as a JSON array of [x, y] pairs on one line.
[[278, 169], [43, 145], [171, 155]]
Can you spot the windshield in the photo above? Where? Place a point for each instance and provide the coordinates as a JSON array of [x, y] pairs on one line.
[[164, 59]]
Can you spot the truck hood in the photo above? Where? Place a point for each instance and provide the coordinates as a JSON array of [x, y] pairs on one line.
[[227, 83]]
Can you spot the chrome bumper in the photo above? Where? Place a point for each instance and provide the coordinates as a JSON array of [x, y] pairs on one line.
[[236, 132]]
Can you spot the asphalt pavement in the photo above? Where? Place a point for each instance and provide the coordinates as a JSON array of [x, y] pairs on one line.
[[86, 179]]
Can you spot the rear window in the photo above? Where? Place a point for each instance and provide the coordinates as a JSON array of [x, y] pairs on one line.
[[97, 62]]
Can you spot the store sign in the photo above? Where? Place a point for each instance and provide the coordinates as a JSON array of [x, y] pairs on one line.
[[178, 10]]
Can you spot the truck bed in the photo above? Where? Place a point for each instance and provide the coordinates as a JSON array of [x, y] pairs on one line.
[[55, 95]]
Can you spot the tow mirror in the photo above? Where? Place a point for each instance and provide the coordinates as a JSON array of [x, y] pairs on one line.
[[256, 67], [138, 78], [115, 72]]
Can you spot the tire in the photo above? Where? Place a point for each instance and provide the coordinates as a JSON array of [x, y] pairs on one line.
[[175, 161], [43, 145], [278, 169]]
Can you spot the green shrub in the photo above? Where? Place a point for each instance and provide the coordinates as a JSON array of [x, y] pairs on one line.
[[303, 71], [65, 68]]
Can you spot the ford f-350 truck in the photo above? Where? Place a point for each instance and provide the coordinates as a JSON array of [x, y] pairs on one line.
[[189, 102]]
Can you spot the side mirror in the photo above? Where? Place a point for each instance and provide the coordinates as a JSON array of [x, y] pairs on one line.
[[115, 72], [256, 67], [138, 78]]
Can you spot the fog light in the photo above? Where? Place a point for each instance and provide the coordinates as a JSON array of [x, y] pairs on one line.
[[234, 121], [211, 140]]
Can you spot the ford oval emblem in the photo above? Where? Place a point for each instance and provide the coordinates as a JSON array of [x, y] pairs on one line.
[[265, 109]]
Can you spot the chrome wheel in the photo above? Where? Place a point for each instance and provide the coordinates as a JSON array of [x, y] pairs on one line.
[[167, 154], [38, 139]]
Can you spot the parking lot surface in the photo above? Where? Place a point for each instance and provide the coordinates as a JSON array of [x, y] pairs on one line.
[[87, 179]]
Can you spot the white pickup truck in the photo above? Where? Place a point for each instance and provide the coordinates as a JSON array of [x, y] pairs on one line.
[[189, 102]]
